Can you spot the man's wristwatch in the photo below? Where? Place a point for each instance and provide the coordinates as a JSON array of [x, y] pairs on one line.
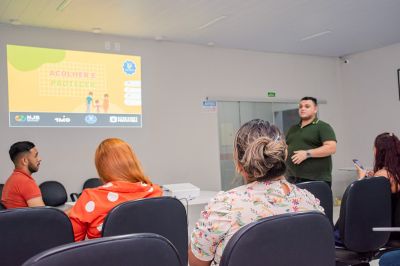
[[308, 153]]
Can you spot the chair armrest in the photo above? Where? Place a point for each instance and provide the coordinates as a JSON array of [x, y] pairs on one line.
[[74, 196], [386, 229]]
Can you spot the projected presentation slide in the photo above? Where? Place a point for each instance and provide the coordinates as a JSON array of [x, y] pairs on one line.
[[62, 88]]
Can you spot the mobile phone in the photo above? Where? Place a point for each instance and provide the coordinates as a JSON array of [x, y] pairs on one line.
[[357, 162]]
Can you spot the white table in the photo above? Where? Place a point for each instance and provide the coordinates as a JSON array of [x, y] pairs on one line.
[[204, 198], [386, 229], [351, 169], [66, 206]]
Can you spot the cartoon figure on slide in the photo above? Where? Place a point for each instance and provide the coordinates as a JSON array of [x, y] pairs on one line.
[[89, 101], [97, 105], [106, 103]]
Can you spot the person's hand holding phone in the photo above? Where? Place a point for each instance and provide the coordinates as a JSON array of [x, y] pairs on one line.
[[361, 171]]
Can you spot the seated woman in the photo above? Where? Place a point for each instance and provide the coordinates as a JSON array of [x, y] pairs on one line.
[[387, 160], [259, 153], [123, 179], [387, 164]]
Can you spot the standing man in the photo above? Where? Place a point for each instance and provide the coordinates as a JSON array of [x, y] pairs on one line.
[[310, 146], [20, 189]]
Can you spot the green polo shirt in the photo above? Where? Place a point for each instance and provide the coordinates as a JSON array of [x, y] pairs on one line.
[[310, 137]]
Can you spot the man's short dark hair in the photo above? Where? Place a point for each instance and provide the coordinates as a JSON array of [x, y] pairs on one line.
[[18, 148], [314, 100]]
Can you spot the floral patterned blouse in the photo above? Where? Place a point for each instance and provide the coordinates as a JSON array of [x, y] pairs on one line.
[[228, 211]]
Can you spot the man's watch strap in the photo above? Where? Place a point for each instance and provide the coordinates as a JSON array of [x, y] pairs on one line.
[[308, 153]]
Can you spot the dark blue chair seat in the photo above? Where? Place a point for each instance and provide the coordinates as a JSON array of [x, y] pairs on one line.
[[53, 193], [365, 204], [135, 249], [300, 239], [165, 216], [323, 192], [89, 183], [25, 232]]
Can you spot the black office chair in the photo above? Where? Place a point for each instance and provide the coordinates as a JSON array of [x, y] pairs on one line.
[[394, 240], [135, 249], [24, 232], [365, 204], [301, 239], [89, 183], [323, 192], [2, 207], [92, 183], [53, 193], [165, 216], [1, 190]]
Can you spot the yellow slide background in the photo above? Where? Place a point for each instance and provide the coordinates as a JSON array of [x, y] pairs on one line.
[[57, 86]]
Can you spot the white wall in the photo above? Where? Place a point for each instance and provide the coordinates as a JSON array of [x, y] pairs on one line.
[[178, 142], [371, 100]]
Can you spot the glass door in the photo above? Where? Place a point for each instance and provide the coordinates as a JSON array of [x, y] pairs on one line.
[[228, 124], [233, 114]]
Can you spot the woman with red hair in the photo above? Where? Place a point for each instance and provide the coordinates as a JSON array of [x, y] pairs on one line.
[[124, 180], [386, 161]]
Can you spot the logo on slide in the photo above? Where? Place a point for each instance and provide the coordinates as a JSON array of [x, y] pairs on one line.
[[129, 67], [123, 119], [33, 118], [90, 119], [113, 119], [62, 119], [20, 118]]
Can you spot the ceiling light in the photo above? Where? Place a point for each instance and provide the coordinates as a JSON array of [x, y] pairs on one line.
[[208, 24], [211, 44], [96, 30], [316, 35], [159, 38], [63, 5], [15, 21]]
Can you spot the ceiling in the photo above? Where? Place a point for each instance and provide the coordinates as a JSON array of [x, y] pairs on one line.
[[314, 27]]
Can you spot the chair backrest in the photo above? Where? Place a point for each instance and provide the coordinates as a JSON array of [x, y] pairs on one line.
[[366, 204], [396, 209], [395, 236], [165, 216], [25, 232], [53, 193], [2, 207], [92, 183], [301, 239], [1, 190], [135, 249], [323, 192], [89, 183]]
